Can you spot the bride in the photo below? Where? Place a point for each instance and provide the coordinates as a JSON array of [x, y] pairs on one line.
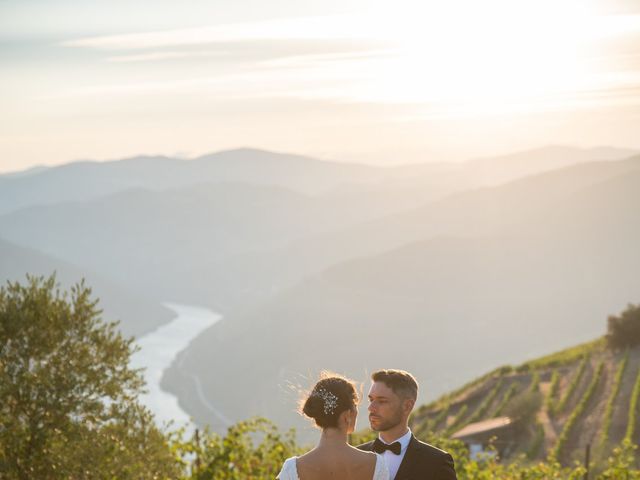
[[332, 404]]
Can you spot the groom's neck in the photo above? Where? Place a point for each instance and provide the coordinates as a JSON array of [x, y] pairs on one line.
[[390, 436]]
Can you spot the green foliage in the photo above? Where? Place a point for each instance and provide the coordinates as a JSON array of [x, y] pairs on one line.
[[633, 409], [458, 421], [493, 470], [524, 408], [425, 425], [441, 417], [535, 382], [623, 463], [559, 407], [68, 409], [256, 450], [486, 403], [554, 388], [67, 396], [363, 436], [615, 389], [456, 448], [577, 412], [623, 330], [449, 398], [536, 444], [251, 449], [511, 391], [564, 357]]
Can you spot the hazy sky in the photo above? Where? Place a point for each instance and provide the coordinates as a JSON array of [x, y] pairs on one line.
[[361, 80]]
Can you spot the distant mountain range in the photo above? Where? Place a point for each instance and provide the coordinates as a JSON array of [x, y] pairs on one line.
[[81, 181], [179, 230], [321, 264], [499, 273], [136, 313], [85, 180]]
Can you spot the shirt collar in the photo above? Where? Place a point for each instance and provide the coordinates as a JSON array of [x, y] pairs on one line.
[[404, 440]]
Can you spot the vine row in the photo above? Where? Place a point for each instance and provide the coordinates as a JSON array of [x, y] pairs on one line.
[[560, 406], [577, 412], [615, 389], [633, 409]]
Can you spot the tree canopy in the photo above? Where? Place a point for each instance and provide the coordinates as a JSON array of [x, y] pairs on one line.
[[69, 409], [68, 399], [623, 330]]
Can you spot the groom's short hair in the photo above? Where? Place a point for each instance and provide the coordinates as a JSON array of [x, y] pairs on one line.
[[402, 383]]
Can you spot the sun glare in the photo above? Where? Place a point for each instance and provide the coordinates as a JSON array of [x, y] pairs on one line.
[[485, 57]]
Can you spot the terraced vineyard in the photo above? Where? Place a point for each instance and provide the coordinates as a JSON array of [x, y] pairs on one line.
[[558, 404]]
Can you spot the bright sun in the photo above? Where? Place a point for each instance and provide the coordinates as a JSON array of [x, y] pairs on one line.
[[484, 57]]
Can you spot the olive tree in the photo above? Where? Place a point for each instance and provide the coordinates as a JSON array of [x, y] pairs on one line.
[[68, 399]]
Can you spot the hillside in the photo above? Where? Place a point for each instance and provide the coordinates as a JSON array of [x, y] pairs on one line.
[[172, 244], [535, 278], [559, 404], [230, 229], [86, 180], [136, 313], [403, 186], [480, 212], [311, 254]]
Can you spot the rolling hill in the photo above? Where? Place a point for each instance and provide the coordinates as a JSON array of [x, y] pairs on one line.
[[532, 278], [324, 265], [402, 186], [86, 180], [476, 212], [171, 244], [136, 313], [558, 404]]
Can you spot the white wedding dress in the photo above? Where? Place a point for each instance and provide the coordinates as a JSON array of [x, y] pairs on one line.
[[290, 472]]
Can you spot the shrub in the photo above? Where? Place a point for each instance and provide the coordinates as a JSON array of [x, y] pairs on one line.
[[624, 330]]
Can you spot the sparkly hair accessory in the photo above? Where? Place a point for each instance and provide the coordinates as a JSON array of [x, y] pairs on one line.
[[329, 399]]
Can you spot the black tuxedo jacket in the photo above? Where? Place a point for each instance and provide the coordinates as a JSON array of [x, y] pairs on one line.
[[422, 462]]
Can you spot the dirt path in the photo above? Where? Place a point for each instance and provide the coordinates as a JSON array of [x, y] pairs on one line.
[[550, 434]]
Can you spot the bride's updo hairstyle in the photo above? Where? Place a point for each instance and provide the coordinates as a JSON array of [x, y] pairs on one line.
[[332, 395]]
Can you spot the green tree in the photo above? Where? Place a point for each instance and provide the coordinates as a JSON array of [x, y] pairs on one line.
[[624, 330], [524, 408], [68, 399], [254, 449]]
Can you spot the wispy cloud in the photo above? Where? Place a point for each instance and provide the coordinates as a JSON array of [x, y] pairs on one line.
[[460, 64], [312, 59], [322, 27], [266, 83], [163, 55]]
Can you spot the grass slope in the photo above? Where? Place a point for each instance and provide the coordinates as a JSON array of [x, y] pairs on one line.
[[596, 384]]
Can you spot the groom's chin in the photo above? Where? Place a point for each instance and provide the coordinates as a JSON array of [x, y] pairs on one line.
[[374, 425]]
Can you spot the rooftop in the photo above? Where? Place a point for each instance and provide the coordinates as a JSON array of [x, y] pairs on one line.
[[482, 427]]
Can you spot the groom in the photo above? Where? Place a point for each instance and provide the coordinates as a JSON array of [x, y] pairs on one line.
[[392, 396]]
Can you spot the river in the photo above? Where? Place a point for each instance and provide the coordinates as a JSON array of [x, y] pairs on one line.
[[157, 351]]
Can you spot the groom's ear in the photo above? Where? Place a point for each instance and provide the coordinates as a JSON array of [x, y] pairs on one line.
[[408, 404]]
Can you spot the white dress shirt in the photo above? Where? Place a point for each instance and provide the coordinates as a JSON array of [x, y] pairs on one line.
[[392, 460]]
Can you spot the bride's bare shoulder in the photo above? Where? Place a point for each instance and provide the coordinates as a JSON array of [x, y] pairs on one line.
[[363, 453], [366, 458]]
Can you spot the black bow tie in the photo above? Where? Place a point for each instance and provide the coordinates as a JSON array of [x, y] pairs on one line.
[[380, 447]]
